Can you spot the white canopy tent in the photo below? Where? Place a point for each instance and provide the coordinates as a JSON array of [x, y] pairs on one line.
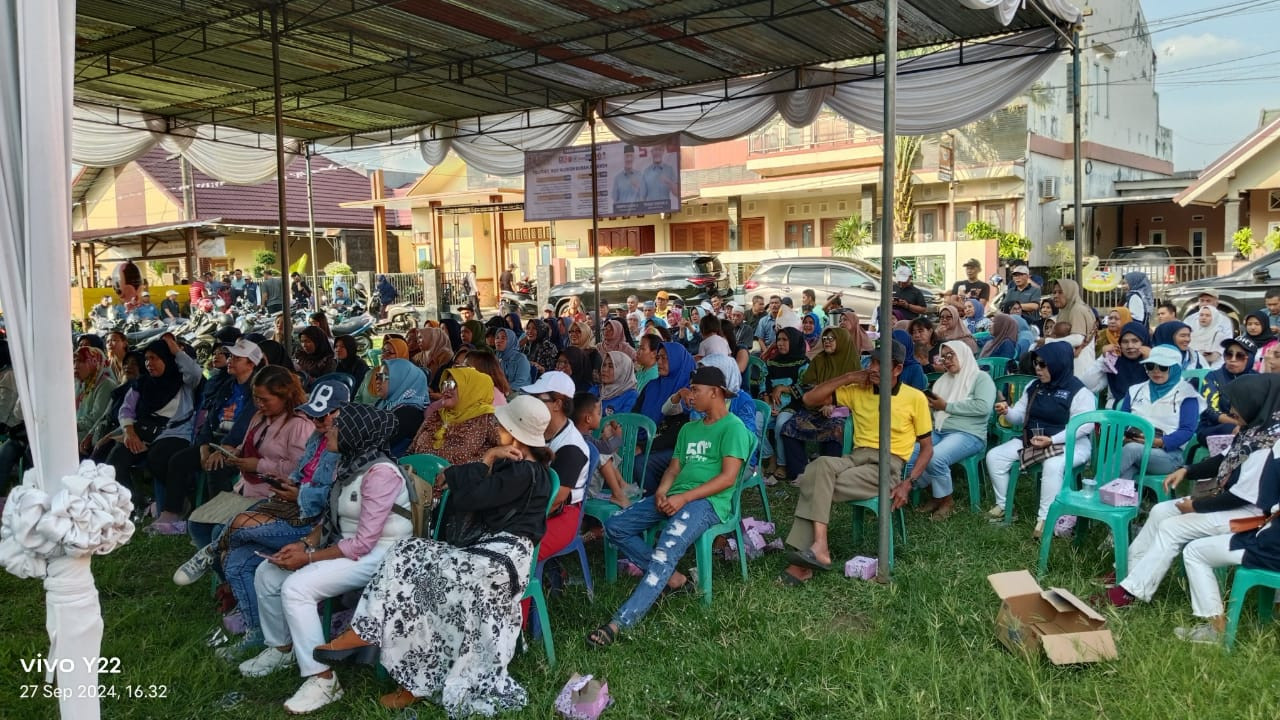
[[61, 516]]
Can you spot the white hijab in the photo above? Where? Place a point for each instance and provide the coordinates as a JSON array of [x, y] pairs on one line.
[[957, 387]]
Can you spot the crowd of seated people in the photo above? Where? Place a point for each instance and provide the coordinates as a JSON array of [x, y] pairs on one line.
[[324, 508]]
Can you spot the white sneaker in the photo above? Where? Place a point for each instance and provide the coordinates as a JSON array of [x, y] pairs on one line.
[[315, 693], [996, 512], [266, 662], [195, 568], [1204, 633]]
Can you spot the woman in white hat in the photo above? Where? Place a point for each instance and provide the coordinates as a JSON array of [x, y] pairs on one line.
[[442, 616]]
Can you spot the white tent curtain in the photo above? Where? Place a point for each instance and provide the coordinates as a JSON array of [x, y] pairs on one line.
[[57, 519], [1005, 9], [496, 144], [935, 93]]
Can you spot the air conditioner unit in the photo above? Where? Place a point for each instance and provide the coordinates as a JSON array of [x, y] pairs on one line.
[[1048, 188]]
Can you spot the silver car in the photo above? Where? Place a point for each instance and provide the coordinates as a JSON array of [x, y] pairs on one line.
[[856, 281]]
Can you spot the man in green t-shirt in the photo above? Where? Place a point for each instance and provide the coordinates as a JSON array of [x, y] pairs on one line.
[[694, 494], [856, 476]]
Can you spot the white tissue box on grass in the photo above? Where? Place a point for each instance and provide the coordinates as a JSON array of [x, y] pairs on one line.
[[861, 567]]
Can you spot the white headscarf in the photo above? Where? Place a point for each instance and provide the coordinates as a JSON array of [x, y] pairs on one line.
[[787, 318], [957, 387]]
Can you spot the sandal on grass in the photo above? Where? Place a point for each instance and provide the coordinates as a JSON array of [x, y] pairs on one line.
[[686, 588], [786, 579], [603, 636]]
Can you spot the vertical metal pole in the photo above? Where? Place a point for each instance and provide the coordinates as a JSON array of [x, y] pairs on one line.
[[595, 221], [886, 281], [287, 340], [311, 223], [1077, 187]]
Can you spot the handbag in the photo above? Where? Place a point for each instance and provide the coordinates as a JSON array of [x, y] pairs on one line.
[[464, 529]]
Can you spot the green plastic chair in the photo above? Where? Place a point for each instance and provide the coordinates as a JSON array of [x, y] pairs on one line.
[[1011, 388], [428, 467], [1198, 375], [756, 479], [996, 367], [931, 378], [533, 591], [872, 504], [1108, 446], [731, 524], [602, 509], [757, 371], [972, 467], [1247, 579]]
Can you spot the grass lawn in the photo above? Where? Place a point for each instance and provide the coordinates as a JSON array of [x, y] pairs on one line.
[[921, 648]]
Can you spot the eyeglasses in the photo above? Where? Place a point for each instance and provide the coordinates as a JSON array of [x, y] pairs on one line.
[[1236, 356], [1153, 366], [449, 384], [948, 356], [829, 338], [1042, 364]]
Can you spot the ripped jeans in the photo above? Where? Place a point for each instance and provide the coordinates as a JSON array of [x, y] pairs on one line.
[[626, 530]]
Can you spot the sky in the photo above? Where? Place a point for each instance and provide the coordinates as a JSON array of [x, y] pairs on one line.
[[1210, 109]]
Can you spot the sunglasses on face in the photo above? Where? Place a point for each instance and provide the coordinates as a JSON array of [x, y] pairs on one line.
[[1042, 364], [1161, 368], [1236, 356], [449, 384], [828, 338]]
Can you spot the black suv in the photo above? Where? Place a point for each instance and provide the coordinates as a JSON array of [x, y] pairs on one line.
[[1239, 293], [692, 277]]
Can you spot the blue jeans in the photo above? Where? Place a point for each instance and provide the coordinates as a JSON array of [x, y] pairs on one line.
[[770, 448], [626, 530], [949, 448], [241, 561]]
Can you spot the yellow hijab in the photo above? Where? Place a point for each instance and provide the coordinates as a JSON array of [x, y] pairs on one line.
[[475, 398]]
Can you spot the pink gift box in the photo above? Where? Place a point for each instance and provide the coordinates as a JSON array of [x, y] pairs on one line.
[[1120, 493], [861, 567]]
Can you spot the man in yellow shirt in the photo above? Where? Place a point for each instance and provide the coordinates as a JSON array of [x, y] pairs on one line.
[[856, 476]]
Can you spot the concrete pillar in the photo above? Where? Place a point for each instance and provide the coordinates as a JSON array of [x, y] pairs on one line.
[[1231, 222], [735, 215]]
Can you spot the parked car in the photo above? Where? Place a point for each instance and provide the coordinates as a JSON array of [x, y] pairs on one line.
[[693, 277], [856, 280], [1164, 265], [1239, 292]]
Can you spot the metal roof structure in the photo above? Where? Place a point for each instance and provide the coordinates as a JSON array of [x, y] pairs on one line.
[[358, 67]]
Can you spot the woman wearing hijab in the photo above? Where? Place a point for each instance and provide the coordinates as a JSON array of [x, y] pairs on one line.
[[400, 387], [1109, 337], [1073, 310], [858, 338], [811, 326], [442, 617], [273, 352], [675, 367], [951, 327], [161, 406], [1139, 298], [94, 384], [110, 422], [689, 333], [615, 340], [582, 338], [1218, 418], [1121, 369], [1178, 334], [824, 425], [1026, 334], [782, 387], [1044, 410], [473, 335], [348, 360], [912, 372], [453, 329], [573, 362], [1172, 405], [1257, 327], [537, 346], [975, 316], [361, 526], [1235, 477], [1004, 339], [617, 384], [459, 427], [961, 401], [1207, 337], [515, 366], [314, 355]]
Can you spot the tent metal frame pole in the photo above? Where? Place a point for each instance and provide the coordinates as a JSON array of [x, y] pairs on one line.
[[287, 340], [311, 221], [1077, 187], [595, 223], [885, 516]]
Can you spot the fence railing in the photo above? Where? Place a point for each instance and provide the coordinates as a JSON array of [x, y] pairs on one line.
[[1163, 274]]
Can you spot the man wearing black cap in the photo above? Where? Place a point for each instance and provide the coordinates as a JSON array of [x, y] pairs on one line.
[[972, 286], [855, 476], [694, 494]]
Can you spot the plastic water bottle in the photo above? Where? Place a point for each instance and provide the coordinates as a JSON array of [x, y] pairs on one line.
[[1090, 487]]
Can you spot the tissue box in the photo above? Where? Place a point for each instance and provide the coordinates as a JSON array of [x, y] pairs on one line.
[[1120, 493], [861, 567]]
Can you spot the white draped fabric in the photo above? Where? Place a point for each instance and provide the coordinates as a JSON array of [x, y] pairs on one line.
[[935, 93], [1005, 9], [42, 536], [496, 144]]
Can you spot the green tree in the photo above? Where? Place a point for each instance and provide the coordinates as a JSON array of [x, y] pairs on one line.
[[1242, 240], [850, 236], [263, 259], [906, 152], [1061, 259]]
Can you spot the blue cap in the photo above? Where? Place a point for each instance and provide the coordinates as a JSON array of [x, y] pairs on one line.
[[326, 396]]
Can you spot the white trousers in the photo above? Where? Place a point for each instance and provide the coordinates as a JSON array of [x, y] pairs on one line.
[[287, 600], [1163, 536], [1201, 558], [1003, 459]]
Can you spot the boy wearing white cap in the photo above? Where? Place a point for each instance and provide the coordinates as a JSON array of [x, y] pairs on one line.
[[556, 390], [908, 300]]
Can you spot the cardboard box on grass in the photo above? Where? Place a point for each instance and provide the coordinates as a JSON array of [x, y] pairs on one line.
[[1052, 621]]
